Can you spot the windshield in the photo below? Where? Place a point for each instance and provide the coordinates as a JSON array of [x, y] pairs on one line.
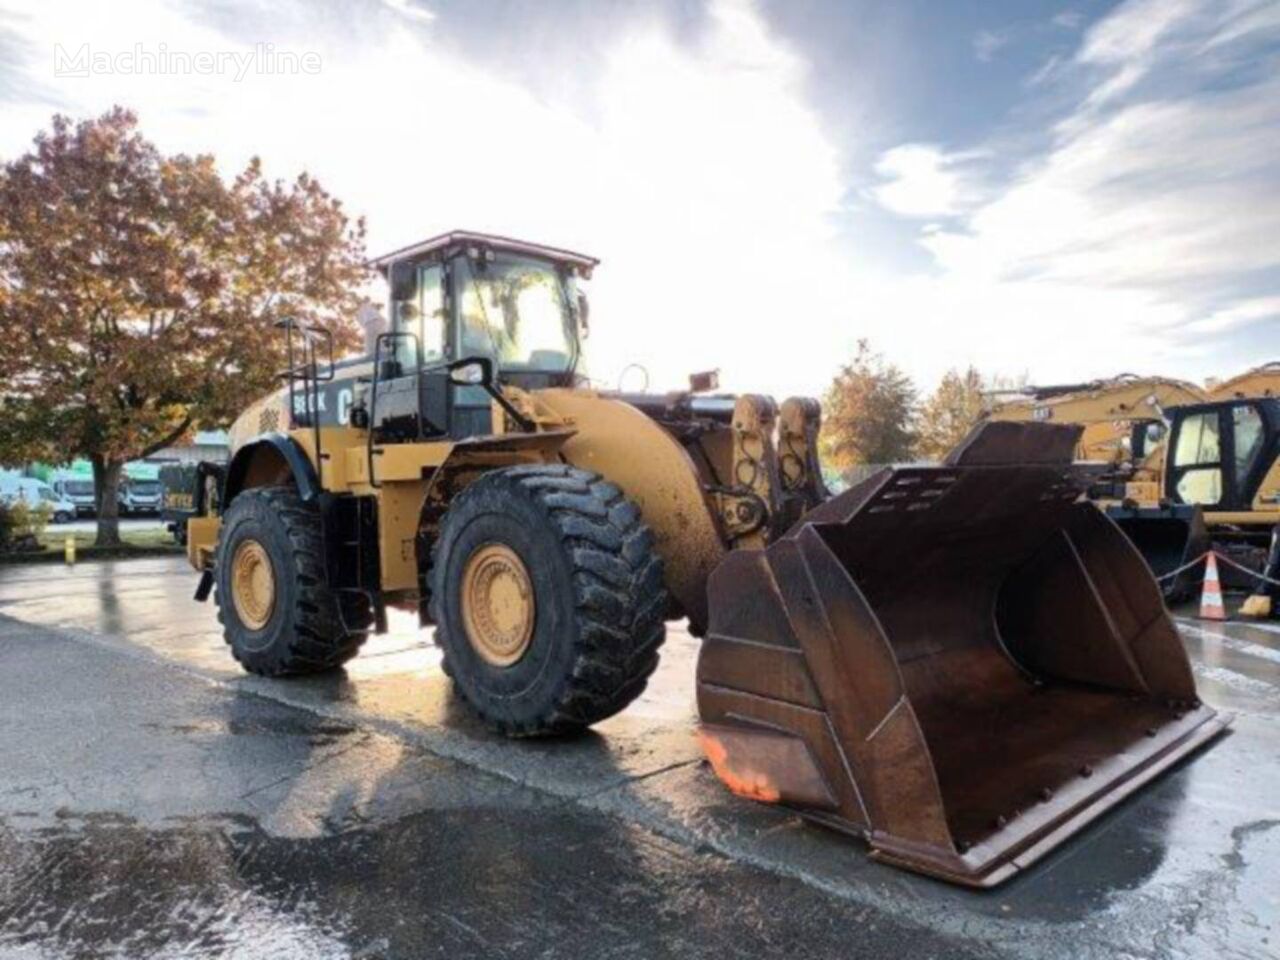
[[78, 488], [518, 312], [148, 488]]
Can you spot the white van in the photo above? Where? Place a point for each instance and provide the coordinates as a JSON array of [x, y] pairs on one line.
[[35, 493], [79, 490]]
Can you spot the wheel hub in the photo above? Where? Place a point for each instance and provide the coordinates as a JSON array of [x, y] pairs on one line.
[[497, 604], [253, 584]]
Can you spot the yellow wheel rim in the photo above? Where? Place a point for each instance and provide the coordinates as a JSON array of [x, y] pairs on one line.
[[253, 584], [497, 604]]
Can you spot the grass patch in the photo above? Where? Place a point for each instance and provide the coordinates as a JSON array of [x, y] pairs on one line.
[[54, 538], [149, 542]]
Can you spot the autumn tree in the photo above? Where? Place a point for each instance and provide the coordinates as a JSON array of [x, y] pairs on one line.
[[867, 413], [950, 412], [139, 292]]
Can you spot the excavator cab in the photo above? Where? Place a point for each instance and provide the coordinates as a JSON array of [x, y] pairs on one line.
[[1224, 462], [1221, 453]]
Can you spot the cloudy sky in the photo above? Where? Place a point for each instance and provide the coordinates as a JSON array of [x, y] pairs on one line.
[[1065, 189]]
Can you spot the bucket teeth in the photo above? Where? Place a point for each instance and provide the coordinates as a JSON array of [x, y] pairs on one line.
[[923, 656]]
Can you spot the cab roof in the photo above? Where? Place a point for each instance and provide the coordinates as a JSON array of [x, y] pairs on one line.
[[457, 238]]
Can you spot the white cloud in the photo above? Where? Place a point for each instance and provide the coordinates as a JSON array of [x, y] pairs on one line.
[[701, 173], [1149, 229], [1237, 315], [1133, 30], [920, 181], [697, 170], [986, 43], [1157, 194], [410, 9]]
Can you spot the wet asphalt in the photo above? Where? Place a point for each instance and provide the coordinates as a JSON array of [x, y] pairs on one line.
[[156, 802]]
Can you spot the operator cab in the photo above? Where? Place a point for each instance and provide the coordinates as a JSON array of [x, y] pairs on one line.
[[1220, 452], [469, 295]]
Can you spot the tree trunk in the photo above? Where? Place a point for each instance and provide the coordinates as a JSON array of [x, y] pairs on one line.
[[106, 484]]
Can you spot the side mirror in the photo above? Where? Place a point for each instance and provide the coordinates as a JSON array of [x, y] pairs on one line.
[[478, 372], [472, 372], [584, 315]]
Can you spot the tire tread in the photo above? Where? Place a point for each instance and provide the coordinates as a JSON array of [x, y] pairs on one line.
[[321, 638], [619, 595]]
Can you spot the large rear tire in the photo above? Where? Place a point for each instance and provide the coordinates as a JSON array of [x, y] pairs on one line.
[[548, 599], [278, 615]]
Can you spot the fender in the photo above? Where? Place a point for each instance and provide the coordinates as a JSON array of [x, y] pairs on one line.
[[294, 457]]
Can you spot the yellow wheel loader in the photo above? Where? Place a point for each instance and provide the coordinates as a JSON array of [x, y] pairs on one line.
[[963, 664]]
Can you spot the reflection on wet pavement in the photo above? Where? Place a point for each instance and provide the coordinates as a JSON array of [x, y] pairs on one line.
[[203, 822], [366, 811], [477, 882]]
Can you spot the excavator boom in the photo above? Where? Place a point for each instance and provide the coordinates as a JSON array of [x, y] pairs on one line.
[[1107, 409]]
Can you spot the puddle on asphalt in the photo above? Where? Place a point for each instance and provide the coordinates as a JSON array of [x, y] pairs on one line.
[[481, 882]]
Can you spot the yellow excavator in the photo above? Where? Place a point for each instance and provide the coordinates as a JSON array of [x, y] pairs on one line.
[[1223, 459], [964, 664], [1261, 381], [1190, 468], [1124, 420]]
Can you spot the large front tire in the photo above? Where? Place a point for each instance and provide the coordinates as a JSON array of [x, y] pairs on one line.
[[278, 615], [548, 599]]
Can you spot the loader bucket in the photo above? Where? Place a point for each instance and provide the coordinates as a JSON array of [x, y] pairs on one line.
[[962, 663], [1168, 538]]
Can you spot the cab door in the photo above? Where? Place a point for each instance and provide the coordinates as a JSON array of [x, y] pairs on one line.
[[1218, 454], [471, 407], [413, 395]]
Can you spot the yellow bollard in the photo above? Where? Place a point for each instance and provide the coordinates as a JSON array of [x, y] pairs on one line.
[[69, 550]]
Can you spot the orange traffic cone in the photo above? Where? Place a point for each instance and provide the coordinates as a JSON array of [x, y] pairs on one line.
[[1211, 607]]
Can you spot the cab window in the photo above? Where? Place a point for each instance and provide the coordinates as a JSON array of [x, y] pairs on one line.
[[517, 312], [1199, 456], [419, 308], [1248, 433], [431, 307], [1198, 441], [1201, 486]]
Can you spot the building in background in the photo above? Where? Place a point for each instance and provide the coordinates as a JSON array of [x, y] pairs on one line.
[[204, 445]]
